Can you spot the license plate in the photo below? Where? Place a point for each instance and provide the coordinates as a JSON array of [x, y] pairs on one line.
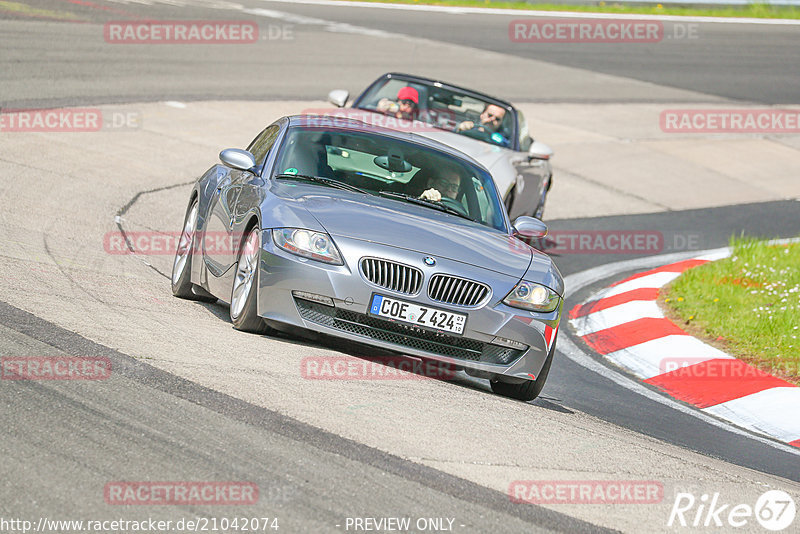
[[408, 312]]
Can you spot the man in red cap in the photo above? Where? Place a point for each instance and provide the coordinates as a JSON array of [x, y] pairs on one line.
[[406, 107]]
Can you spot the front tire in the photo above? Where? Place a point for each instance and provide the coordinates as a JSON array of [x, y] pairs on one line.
[[181, 279], [244, 306], [529, 389]]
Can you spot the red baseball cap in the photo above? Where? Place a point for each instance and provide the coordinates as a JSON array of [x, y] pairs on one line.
[[408, 93]]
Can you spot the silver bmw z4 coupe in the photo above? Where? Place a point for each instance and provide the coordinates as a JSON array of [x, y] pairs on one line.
[[381, 237]]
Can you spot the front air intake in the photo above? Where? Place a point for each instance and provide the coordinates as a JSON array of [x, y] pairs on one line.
[[458, 291], [391, 275]]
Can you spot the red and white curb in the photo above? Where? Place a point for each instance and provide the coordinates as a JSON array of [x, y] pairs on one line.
[[624, 324]]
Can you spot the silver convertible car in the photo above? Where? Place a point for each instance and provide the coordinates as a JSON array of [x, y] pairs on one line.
[[489, 129], [381, 237]]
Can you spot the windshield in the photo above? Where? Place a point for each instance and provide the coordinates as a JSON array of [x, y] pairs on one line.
[[391, 168], [446, 109]]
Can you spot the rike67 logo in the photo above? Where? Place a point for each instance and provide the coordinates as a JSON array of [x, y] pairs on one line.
[[774, 510]]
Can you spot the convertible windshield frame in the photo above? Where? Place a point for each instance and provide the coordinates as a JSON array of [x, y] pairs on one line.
[[495, 219], [358, 103]]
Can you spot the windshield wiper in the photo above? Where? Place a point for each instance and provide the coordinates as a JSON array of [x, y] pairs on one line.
[[327, 181], [427, 203]]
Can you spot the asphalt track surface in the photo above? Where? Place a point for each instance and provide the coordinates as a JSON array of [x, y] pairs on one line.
[[148, 423], [750, 63]]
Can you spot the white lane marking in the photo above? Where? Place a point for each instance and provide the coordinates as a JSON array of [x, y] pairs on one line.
[[649, 281], [209, 4], [575, 282], [659, 356], [616, 315], [571, 351], [457, 10], [328, 25], [175, 104], [714, 256], [772, 411]]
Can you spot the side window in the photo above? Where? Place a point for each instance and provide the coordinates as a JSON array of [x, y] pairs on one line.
[[524, 137], [263, 142]]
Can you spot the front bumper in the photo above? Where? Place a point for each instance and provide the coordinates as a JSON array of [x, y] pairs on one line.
[[282, 274]]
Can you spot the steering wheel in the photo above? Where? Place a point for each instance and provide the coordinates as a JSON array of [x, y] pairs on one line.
[[485, 135], [476, 133], [455, 204]]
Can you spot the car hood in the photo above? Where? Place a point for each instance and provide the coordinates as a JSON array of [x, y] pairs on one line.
[[399, 224]]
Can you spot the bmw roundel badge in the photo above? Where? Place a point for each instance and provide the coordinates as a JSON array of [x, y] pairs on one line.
[[429, 261]]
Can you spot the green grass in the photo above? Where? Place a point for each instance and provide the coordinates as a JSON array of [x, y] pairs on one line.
[[749, 303], [755, 10]]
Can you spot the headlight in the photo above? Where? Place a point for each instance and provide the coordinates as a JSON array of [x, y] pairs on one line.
[[531, 296], [315, 245]]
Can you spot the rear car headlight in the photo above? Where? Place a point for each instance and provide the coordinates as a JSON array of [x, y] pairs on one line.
[[308, 244], [532, 296]]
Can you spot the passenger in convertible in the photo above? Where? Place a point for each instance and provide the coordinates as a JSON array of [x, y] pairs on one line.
[[406, 107]]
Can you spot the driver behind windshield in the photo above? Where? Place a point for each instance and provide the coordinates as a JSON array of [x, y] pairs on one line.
[[491, 120], [406, 107], [447, 182]]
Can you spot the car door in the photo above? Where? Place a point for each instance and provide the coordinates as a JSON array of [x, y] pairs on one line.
[[218, 242], [221, 245], [531, 178]]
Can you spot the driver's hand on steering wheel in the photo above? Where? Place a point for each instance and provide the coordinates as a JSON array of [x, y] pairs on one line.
[[466, 125], [431, 194]]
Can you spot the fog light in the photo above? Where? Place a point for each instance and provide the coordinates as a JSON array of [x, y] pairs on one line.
[[510, 343], [313, 297]]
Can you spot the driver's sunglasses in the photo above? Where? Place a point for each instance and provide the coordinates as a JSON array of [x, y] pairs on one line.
[[446, 185], [408, 103], [494, 118]]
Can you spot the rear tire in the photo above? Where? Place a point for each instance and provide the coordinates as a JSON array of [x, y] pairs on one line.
[[530, 389], [244, 292], [181, 279]]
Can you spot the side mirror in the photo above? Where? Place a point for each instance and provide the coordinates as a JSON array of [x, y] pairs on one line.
[[338, 97], [238, 159], [539, 150], [529, 227]]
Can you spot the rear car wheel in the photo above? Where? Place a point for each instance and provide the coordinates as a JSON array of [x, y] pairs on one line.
[[529, 389], [182, 266], [244, 312]]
